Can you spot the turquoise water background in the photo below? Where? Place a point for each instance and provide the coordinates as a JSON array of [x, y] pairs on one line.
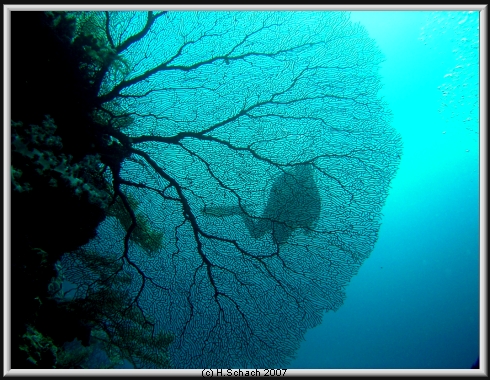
[[415, 301]]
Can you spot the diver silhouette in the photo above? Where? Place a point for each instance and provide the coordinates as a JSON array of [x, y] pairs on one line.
[[294, 202]]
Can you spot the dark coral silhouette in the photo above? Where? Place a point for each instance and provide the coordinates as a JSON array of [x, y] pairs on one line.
[[246, 157]]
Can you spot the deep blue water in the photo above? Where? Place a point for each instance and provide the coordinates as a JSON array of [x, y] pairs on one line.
[[415, 301]]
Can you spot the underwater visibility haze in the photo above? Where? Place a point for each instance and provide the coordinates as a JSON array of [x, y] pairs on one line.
[[208, 184]]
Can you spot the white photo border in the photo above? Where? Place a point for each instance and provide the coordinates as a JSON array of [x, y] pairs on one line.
[[481, 8]]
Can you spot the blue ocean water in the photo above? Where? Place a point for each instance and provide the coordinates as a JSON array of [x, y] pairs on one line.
[[415, 301]]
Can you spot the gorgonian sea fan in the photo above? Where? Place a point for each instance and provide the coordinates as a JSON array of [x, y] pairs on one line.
[[260, 148]]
